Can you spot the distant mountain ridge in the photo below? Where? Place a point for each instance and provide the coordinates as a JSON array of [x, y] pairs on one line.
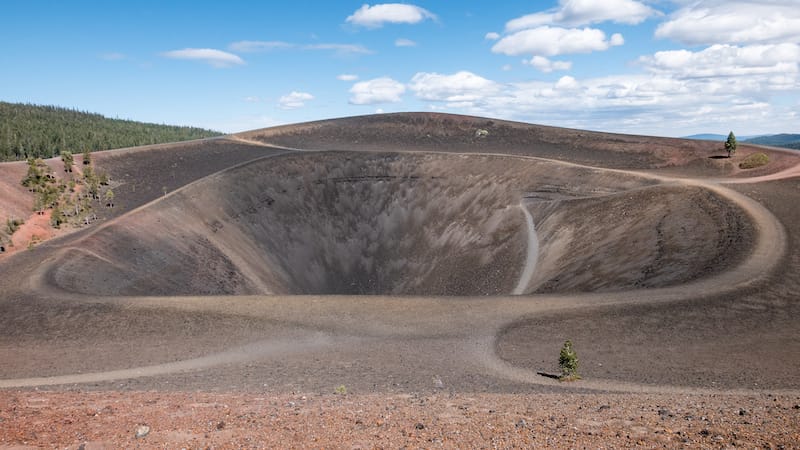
[[785, 140], [778, 140]]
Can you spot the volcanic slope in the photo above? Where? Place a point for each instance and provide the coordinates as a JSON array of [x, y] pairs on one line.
[[427, 206]]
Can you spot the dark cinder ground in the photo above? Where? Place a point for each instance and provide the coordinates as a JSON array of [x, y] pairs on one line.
[[389, 254]]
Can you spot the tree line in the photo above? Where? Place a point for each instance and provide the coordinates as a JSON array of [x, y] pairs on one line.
[[37, 131]]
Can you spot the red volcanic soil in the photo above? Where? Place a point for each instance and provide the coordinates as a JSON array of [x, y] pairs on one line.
[[242, 282], [264, 420]]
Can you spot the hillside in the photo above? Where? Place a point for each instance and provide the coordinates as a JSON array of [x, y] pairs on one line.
[[45, 131], [778, 140]]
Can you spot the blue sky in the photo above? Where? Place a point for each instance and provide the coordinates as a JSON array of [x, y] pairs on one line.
[[662, 67]]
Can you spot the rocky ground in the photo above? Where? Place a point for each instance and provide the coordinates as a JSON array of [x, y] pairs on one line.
[[439, 420]]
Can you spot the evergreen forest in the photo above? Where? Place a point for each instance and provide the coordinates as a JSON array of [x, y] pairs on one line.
[[34, 131]]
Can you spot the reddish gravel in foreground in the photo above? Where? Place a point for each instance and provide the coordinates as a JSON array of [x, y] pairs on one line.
[[204, 420]]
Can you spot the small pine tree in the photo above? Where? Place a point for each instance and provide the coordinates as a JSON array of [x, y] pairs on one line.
[[57, 217], [34, 175], [568, 362], [68, 161], [730, 144]]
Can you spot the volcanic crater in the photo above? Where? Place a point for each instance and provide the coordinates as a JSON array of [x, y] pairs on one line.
[[408, 223]]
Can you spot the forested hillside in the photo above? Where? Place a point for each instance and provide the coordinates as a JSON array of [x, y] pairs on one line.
[[778, 140], [45, 131]]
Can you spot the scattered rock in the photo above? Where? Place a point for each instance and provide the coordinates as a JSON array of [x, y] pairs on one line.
[[663, 412], [437, 382], [419, 426], [742, 412], [220, 425], [603, 408], [142, 431], [704, 432], [521, 424]]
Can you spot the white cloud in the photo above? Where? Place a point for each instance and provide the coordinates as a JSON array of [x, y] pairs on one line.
[[566, 82], [585, 12], [264, 46], [347, 77], [530, 21], [506, 67], [726, 60], [251, 99], [216, 58], [547, 66], [650, 103], [734, 22], [258, 46], [459, 87], [294, 100], [552, 41], [377, 90], [492, 36], [377, 15], [341, 49], [402, 42]]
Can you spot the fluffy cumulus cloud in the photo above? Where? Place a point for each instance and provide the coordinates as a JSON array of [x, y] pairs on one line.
[[377, 15], [377, 90], [552, 41], [492, 36], [584, 12], [733, 22], [649, 103], [347, 77], [722, 60], [294, 100], [461, 87], [213, 57], [545, 65]]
